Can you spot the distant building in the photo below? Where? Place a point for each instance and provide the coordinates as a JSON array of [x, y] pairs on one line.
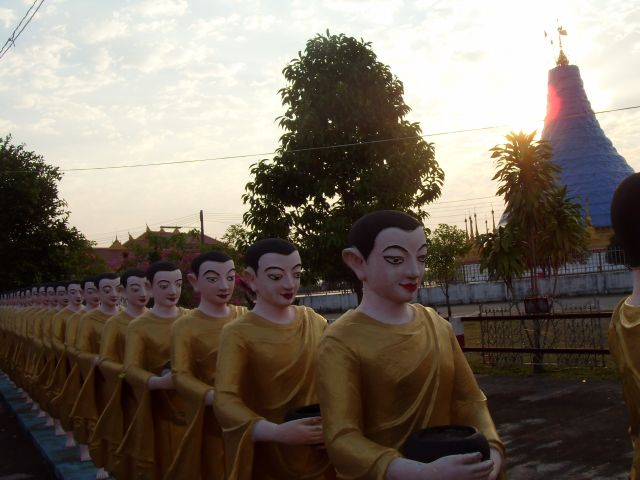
[[118, 252]]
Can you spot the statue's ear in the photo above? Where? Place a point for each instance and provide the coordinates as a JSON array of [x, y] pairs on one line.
[[249, 277], [193, 280], [147, 284], [355, 261]]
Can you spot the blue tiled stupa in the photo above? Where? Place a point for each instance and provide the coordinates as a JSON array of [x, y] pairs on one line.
[[591, 166]]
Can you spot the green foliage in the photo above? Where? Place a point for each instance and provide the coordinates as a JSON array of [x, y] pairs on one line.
[[338, 94], [565, 235], [446, 246], [543, 224], [37, 244], [501, 254], [237, 237]]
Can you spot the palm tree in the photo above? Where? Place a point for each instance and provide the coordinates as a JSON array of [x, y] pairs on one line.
[[527, 181]]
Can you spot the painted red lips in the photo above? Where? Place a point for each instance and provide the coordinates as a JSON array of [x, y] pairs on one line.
[[410, 287]]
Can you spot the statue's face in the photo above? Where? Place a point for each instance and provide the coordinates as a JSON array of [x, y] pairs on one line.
[[108, 292], [91, 294], [216, 281], [61, 295], [395, 266], [136, 291], [74, 294], [166, 288], [278, 278], [51, 296], [42, 295]]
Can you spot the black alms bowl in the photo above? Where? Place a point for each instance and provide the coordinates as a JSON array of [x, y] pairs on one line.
[[430, 444], [306, 411]]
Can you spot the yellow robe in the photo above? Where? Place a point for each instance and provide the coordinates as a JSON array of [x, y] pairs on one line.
[[117, 413], [47, 360], [61, 370], [64, 402], [34, 348], [379, 383], [194, 352], [624, 341], [93, 395], [152, 439], [264, 370]]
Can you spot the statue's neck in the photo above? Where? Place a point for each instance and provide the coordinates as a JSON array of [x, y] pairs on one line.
[[634, 299]]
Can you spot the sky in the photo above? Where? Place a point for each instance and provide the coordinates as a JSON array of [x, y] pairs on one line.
[[98, 84]]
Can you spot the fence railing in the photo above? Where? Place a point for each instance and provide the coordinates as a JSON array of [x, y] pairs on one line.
[[597, 261], [568, 339]]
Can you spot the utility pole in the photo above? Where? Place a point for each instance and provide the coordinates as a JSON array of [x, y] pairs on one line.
[[201, 227]]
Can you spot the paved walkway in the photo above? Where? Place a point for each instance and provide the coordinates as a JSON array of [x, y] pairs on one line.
[[554, 428], [570, 429]]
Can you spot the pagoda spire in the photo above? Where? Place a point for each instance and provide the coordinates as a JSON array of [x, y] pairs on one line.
[[590, 166]]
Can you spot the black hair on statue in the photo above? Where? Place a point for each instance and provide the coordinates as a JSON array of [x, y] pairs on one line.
[[267, 245], [74, 282], [625, 206], [105, 276], [132, 272], [365, 230], [61, 284], [161, 266], [91, 279], [197, 262]]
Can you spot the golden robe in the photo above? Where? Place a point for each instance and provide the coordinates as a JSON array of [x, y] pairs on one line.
[[66, 399], [194, 353], [34, 348], [47, 360], [378, 383], [264, 370], [624, 341], [61, 370], [118, 412], [153, 437], [93, 395]]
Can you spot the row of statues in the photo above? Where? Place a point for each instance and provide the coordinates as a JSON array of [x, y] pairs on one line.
[[213, 392]]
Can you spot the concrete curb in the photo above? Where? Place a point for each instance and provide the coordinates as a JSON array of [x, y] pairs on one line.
[[62, 460]]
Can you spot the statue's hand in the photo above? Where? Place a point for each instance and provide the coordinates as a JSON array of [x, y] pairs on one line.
[[306, 431]]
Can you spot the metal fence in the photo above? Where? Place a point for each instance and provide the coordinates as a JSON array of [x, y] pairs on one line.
[[576, 337], [597, 261]]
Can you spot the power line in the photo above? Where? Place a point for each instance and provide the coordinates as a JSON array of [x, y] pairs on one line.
[[308, 149], [11, 41], [326, 147]]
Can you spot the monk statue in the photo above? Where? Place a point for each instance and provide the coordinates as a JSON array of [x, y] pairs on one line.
[[624, 331], [267, 367], [390, 368]]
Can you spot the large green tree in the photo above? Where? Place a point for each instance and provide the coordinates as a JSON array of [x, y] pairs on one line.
[[36, 241], [446, 246], [347, 149]]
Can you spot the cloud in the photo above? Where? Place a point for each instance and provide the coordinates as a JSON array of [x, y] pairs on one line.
[[111, 29], [162, 8], [7, 17]]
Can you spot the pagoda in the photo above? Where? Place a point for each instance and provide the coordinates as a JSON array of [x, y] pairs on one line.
[[591, 168]]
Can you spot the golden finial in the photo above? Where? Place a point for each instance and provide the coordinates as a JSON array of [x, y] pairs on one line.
[[562, 58]]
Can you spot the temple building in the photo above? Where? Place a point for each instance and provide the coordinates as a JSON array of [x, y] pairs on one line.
[[591, 168], [118, 252]]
